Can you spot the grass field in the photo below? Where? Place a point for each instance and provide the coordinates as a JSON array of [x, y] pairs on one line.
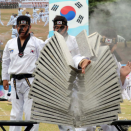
[[5, 108], [5, 31]]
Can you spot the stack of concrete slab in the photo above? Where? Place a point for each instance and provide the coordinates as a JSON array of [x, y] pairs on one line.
[[53, 77], [102, 95], [99, 93]]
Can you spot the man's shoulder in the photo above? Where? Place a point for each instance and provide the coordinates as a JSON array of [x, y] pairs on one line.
[[35, 39], [46, 41], [72, 37], [11, 41]]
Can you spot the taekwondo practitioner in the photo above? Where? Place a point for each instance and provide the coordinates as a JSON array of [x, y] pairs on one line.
[[19, 57], [35, 15], [125, 95], [11, 18], [20, 11], [13, 22], [60, 25], [46, 17], [41, 13], [0, 20], [14, 32], [129, 86], [27, 14], [46, 9], [110, 38]]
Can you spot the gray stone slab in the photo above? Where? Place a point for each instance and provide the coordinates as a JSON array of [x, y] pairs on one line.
[[109, 104], [106, 110], [94, 40], [83, 44], [39, 107], [64, 48], [49, 95]]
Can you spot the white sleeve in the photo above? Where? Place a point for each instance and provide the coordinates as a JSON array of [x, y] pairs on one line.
[[5, 63], [40, 44], [126, 81], [76, 54]]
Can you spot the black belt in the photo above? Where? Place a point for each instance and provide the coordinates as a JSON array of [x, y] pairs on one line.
[[19, 77]]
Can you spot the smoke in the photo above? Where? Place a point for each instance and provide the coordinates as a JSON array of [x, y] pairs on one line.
[[112, 14]]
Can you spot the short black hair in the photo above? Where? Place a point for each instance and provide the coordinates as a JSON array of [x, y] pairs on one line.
[[60, 18], [109, 33]]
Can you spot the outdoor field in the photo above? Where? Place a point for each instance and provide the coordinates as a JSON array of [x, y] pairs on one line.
[[5, 108], [5, 31]]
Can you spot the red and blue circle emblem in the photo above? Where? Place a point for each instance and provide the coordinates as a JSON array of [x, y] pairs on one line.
[[68, 12]]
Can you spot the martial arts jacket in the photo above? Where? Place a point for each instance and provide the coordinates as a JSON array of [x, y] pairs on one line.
[[14, 33], [20, 12], [13, 64]]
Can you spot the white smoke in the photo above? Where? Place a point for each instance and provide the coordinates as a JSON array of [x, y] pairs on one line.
[[112, 14]]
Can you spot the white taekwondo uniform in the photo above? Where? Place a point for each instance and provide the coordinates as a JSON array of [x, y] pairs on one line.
[[11, 18], [129, 86], [20, 12], [35, 15], [13, 64], [46, 17], [14, 33], [46, 9], [13, 22], [109, 127], [40, 15], [74, 50]]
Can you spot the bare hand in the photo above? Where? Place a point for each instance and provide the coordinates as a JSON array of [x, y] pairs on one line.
[[124, 71], [5, 84], [84, 64]]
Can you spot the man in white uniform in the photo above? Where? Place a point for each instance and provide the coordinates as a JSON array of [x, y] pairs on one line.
[[13, 22], [46, 14], [109, 37], [129, 86], [27, 14], [19, 57], [35, 15], [0, 20], [60, 25], [11, 18], [40, 15], [46, 9], [14, 32], [20, 11], [46, 17]]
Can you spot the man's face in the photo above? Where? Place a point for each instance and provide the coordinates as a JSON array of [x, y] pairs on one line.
[[23, 29], [62, 29]]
